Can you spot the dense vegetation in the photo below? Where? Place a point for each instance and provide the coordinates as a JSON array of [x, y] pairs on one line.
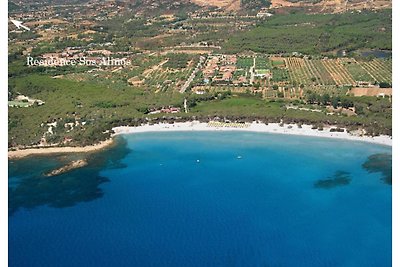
[[67, 101], [319, 33], [102, 107]]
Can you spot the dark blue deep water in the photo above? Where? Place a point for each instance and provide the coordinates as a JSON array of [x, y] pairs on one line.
[[252, 200]]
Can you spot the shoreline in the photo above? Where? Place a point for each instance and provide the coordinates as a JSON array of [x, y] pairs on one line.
[[274, 128], [18, 154]]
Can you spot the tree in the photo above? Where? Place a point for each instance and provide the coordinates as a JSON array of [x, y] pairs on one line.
[[346, 102], [325, 99], [359, 109], [312, 97], [335, 101], [385, 85]]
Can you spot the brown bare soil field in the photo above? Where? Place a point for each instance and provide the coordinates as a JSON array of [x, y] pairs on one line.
[[226, 4], [89, 32], [360, 91], [283, 3]]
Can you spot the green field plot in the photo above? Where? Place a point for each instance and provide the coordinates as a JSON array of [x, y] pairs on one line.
[[244, 62], [277, 62], [357, 72], [321, 74], [338, 72], [279, 75], [262, 63], [379, 69], [298, 71]]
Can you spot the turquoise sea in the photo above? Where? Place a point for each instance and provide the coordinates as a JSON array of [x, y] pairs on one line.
[[206, 199]]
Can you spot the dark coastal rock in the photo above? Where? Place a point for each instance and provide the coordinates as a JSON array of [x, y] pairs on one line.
[[69, 167]]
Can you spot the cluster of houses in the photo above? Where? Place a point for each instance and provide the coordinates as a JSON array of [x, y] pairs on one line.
[[223, 70], [210, 68], [219, 69]]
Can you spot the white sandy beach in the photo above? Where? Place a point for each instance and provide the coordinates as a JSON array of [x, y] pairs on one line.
[[52, 150], [292, 129]]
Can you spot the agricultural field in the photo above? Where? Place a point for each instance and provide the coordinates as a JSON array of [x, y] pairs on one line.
[[244, 62], [338, 72], [314, 73], [279, 75], [357, 71], [262, 63], [308, 72], [294, 93], [379, 69], [320, 73], [165, 78], [168, 73], [278, 62], [298, 71]]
